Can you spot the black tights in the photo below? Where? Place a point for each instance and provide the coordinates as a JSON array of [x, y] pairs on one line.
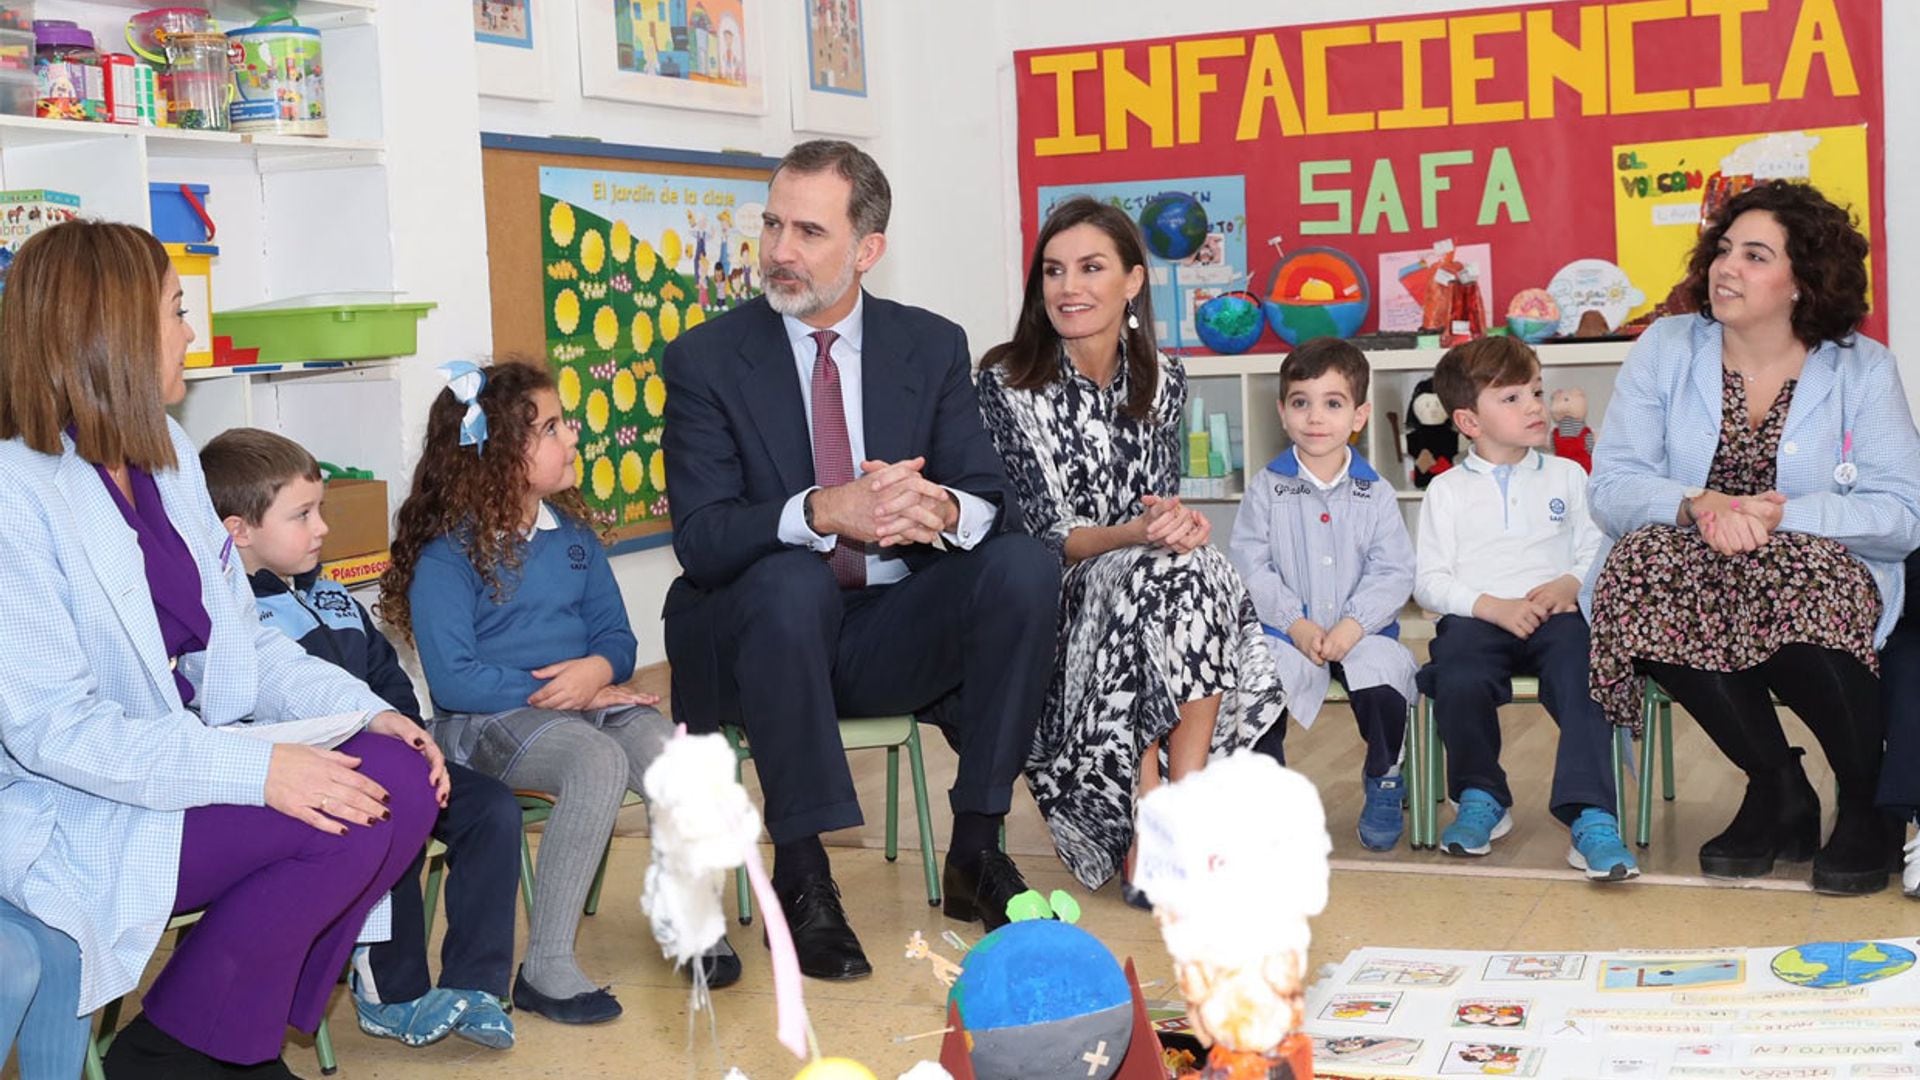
[[1835, 695]]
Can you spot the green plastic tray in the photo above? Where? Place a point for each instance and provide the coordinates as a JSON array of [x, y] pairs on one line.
[[329, 332]]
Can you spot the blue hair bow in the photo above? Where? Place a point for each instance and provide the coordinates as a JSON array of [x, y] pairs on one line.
[[466, 379]]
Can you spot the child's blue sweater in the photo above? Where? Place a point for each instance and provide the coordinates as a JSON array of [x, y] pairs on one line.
[[561, 605]]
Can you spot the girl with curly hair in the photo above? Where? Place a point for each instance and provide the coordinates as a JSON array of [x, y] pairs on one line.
[[500, 581], [1756, 480]]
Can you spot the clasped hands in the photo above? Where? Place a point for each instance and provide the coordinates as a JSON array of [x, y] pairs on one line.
[[1323, 646], [892, 504], [1735, 525], [1521, 616], [1166, 523]]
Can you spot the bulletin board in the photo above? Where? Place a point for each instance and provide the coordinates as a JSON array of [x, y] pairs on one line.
[[599, 256]]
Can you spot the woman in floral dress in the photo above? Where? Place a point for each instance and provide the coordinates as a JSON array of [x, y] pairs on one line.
[[1760, 473], [1161, 657]]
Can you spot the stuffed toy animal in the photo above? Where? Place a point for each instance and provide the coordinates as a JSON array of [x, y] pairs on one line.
[[1432, 441], [1572, 438]]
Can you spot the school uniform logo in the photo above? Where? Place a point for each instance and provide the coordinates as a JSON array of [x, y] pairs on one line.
[[1557, 508], [1362, 489], [577, 556]]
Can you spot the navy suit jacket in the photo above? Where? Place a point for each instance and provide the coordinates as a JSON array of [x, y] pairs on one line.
[[737, 438]]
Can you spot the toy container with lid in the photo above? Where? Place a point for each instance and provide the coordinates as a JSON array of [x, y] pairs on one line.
[[197, 81], [277, 77], [147, 32], [19, 89], [67, 72]]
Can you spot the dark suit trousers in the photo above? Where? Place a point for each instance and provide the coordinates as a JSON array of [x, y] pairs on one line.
[[1900, 699], [784, 652]]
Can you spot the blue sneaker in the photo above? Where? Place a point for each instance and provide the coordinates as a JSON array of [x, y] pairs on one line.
[[421, 1022], [1597, 848], [485, 1022], [1380, 820], [1478, 822]]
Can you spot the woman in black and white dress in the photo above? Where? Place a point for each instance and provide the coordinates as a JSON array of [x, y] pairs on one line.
[[1161, 657]]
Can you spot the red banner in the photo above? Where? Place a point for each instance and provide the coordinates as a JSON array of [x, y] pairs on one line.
[[1531, 136]]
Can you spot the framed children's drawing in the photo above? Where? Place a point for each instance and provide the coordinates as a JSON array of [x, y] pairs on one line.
[[691, 54], [832, 83], [511, 47]]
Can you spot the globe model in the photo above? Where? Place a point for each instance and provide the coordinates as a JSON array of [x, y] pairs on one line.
[[1827, 965], [1230, 322], [1043, 998], [1174, 224], [1317, 292]]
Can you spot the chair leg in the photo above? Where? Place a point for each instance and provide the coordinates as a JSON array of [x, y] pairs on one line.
[[323, 1049], [97, 1045], [1620, 773], [526, 874], [599, 878], [1666, 750], [1418, 804], [744, 893], [436, 869], [893, 804], [1643, 828], [925, 815]]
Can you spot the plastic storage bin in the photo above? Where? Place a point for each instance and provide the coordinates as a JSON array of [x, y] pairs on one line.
[[194, 264], [19, 88], [179, 213], [327, 326]]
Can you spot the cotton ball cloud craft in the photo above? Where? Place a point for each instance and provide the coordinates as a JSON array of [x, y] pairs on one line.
[[1234, 858]]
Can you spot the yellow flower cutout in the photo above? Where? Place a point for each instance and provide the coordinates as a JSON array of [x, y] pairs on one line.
[[658, 469], [566, 312], [625, 390], [579, 470], [593, 251], [606, 326], [695, 316], [569, 389], [656, 395], [597, 410], [642, 331], [632, 472], [670, 247], [643, 261], [603, 479], [669, 322], [621, 241], [560, 223]]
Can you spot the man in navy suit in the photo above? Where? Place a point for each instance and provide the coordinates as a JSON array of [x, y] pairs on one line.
[[849, 546]]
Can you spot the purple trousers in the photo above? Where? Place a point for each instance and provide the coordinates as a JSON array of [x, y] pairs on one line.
[[284, 903]]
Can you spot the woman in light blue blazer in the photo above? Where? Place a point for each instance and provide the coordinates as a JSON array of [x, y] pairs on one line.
[[133, 651], [1758, 478]]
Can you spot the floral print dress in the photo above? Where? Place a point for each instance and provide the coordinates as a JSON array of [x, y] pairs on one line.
[[1142, 630], [1665, 596]]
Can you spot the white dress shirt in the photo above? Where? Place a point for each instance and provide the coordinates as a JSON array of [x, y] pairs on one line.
[[1502, 531], [884, 566]]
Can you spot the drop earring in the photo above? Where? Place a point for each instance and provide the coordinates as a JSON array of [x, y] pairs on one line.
[[1133, 317]]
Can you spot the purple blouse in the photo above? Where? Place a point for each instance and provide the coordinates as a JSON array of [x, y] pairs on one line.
[[173, 581]]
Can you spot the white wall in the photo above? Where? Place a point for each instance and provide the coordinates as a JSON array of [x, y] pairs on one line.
[[943, 78]]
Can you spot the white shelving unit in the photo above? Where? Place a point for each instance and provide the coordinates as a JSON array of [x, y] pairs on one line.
[[295, 216], [1247, 388]]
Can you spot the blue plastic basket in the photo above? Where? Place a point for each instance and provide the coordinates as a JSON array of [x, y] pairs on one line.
[[180, 213]]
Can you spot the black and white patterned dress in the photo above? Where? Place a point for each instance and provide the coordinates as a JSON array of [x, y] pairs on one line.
[[1142, 630]]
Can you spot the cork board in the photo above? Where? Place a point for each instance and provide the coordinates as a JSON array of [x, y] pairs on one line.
[[597, 256]]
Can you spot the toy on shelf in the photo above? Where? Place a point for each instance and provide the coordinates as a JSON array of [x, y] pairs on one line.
[[1316, 292], [1432, 440], [1588, 285], [1232, 896], [1572, 438], [1533, 315], [1174, 225], [1231, 322]]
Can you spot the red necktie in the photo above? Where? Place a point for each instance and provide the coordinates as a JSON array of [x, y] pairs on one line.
[[833, 455]]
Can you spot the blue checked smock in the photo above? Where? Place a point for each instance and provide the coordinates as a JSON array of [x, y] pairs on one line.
[[98, 757]]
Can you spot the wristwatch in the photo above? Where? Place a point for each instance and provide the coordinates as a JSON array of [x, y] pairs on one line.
[[806, 512], [1686, 501]]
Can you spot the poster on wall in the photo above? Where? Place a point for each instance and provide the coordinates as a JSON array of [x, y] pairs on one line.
[[629, 261], [1575, 146], [695, 54], [510, 49], [832, 92]]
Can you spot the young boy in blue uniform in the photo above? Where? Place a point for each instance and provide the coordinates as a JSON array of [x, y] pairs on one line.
[[268, 491], [1504, 543], [1325, 553]]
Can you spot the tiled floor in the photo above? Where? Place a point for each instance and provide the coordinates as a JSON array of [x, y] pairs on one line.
[[1520, 897]]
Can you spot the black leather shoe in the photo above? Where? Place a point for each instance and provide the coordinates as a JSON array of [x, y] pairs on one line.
[[142, 1050], [1854, 862], [825, 943], [981, 892], [1779, 819], [592, 1007], [721, 964]]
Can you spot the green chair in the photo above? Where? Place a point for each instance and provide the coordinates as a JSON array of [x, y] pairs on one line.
[[100, 1042], [871, 733], [535, 807], [1427, 779]]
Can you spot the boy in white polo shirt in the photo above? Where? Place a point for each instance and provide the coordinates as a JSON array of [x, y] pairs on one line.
[[1504, 543]]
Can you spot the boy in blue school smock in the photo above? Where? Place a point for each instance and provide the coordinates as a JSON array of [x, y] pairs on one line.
[[1505, 541], [267, 490], [1325, 554]]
